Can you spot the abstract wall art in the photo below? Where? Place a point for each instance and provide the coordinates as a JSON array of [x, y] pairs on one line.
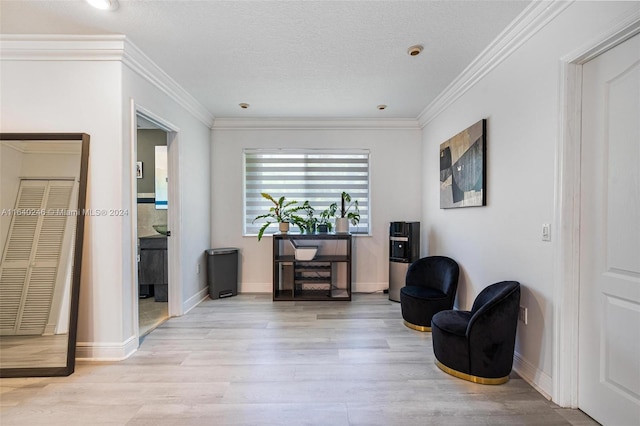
[[462, 168]]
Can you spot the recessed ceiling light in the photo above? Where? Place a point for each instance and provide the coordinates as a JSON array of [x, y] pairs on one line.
[[414, 50], [381, 107], [104, 4], [243, 105]]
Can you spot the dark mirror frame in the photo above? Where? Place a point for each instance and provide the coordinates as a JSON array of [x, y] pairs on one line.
[[77, 255]]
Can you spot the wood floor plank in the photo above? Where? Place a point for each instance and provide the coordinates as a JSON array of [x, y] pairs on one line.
[[318, 413]]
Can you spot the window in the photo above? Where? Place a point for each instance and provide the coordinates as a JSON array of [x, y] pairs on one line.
[[319, 176]]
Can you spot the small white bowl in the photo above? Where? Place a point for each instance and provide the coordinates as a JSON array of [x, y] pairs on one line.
[[306, 253]]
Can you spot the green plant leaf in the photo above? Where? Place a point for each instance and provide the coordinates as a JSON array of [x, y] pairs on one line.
[[262, 216], [268, 197], [262, 229]]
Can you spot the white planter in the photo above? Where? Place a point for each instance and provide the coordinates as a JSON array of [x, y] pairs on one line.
[[342, 225]]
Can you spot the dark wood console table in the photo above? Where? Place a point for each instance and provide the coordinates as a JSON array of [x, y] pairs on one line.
[[326, 277]]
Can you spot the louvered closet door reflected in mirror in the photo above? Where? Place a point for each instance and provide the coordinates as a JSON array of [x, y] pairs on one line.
[[34, 271]]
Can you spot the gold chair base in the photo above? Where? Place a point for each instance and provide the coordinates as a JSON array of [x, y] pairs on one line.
[[416, 327], [470, 378]]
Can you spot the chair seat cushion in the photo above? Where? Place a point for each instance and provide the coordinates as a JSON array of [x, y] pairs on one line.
[[423, 293], [450, 343], [454, 322], [419, 304]]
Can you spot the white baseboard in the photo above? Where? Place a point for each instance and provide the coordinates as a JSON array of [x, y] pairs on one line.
[[538, 379], [254, 287], [195, 300], [355, 288], [91, 351], [361, 287]]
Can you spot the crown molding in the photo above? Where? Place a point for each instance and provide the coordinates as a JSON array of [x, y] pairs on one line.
[[315, 124], [627, 27], [147, 69], [535, 17], [55, 47], [100, 48]]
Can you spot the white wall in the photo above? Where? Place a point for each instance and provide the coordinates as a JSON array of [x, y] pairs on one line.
[[395, 191], [502, 241], [77, 96], [94, 97]]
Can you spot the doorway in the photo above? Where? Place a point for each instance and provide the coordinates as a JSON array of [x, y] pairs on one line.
[[152, 225], [567, 269], [157, 292]]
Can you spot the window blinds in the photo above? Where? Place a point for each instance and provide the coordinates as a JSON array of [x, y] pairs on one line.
[[319, 176]]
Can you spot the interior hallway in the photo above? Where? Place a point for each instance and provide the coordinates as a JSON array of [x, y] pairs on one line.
[[246, 360]]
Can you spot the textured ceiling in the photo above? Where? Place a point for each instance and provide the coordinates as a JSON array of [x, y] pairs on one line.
[[327, 59]]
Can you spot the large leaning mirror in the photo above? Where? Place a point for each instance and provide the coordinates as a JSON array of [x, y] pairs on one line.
[[43, 181]]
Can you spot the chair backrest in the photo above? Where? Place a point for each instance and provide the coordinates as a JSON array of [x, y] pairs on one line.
[[492, 328], [493, 295], [439, 272]]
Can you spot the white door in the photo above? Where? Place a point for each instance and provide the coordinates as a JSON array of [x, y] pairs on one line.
[[609, 336], [32, 272]]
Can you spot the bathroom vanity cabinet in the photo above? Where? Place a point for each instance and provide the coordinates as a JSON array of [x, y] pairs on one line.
[[153, 269]]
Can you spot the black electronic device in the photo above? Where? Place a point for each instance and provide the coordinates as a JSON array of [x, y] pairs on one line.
[[404, 249]]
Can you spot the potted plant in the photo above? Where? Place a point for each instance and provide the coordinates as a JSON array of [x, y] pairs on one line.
[[324, 223], [348, 213], [283, 212], [309, 223]]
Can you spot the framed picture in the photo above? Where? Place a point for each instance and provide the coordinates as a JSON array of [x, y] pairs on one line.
[[139, 169], [462, 168]]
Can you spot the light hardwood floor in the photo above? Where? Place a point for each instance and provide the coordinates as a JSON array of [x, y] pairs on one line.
[[246, 360]]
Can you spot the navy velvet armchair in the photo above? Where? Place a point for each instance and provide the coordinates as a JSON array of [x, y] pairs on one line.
[[478, 345], [430, 287]]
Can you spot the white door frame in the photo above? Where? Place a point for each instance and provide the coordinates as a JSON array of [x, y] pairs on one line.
[[175, 305], [567, 211]]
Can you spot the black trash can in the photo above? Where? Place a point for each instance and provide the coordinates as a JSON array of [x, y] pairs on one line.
[[222, 272]]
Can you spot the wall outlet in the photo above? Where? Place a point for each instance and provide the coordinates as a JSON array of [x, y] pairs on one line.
[[523, 314], [546, 232]]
